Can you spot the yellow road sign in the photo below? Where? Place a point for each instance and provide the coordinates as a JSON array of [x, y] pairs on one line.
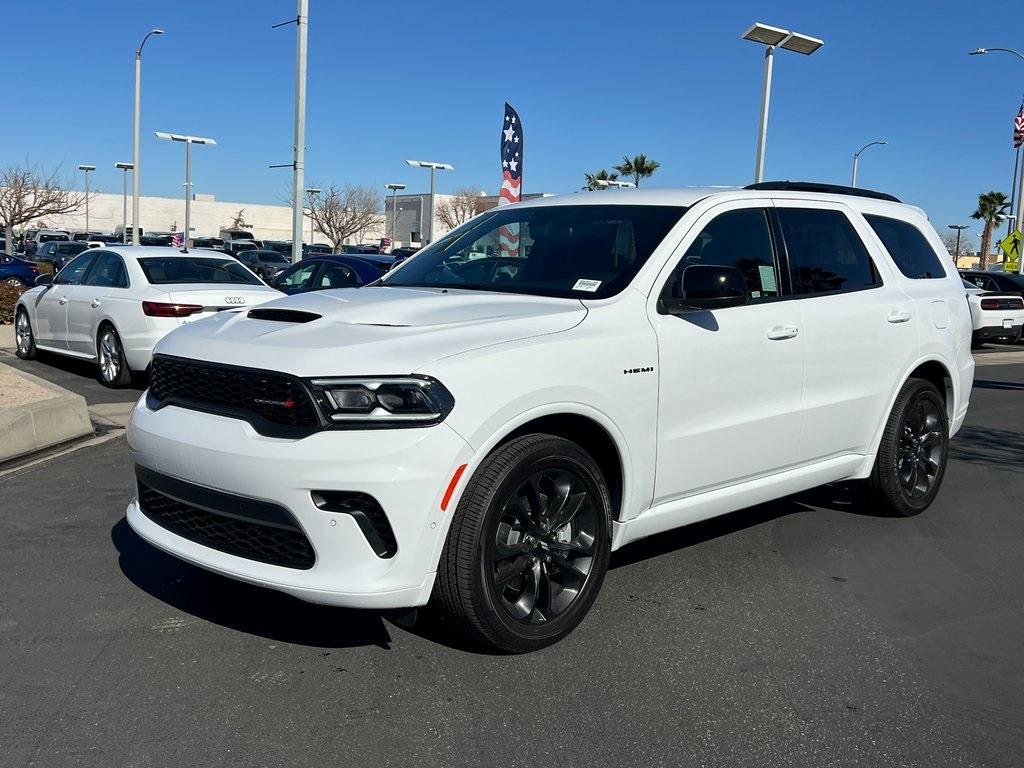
[[1011, 247]]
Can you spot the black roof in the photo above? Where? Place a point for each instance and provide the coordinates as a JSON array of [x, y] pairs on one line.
[[816, 186]]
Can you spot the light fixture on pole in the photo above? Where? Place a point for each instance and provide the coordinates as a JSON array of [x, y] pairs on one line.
[[606, 183], [433, 167], [959, 228], [188, 142], [124, 200], [856, 157], [311, 192], [137, 128], [87, 169], [771, 38], [1019, 178], [395, 189]]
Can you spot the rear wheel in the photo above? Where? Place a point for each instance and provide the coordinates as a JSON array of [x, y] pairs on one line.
[[911, 458], [15, 282], [25, 341], [113, 369], [529, 545]]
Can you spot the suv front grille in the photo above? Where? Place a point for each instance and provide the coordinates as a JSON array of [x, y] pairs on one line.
[[266, 399], [269, 535]]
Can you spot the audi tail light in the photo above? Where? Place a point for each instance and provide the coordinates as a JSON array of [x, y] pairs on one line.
[[164, 309]]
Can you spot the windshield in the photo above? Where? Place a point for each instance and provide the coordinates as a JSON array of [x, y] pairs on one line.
[[52, 238], [195, 269], [274, 257], [570, 251], [65, 249]]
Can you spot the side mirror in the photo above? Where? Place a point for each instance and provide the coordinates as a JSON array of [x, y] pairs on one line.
[[45, 280], [710, 286]]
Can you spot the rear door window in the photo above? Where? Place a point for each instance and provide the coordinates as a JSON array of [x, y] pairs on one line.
[[75, 270], [826, 255], [908, 246]]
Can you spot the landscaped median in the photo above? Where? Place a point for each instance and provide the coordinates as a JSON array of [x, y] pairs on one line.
[[35, 414]]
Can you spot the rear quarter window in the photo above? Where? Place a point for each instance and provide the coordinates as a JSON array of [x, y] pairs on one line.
[[908, 247]]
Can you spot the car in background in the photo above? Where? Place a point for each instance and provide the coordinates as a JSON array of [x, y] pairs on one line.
[[106, 239], [158, 240], [321, 273], [208, 242], [281, 246], [316, 248], [86, 236], [399, 254], [35, 238], [235, 247], [997, 317], [57, 253], [112, 305], [266, 264], [1003, 282], [17, 272]]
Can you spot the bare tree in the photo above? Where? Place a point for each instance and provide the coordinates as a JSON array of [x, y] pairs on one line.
[[238, 220], [462, 206], [966, 246], [341, 212], [29, 193]]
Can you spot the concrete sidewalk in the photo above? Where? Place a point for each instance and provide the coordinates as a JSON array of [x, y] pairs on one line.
[[35, 414]]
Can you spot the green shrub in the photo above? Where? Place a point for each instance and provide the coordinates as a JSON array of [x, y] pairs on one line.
[[8, 298]]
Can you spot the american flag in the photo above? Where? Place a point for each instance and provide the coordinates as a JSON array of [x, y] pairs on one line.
[[1018, 128], [511, 176], [176, 239]]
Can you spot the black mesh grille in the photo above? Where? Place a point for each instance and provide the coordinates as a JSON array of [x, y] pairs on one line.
[[267, 544], [232, 390]]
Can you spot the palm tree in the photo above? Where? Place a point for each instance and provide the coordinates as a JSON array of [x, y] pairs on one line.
[[640, 167], [992, 208], [602, 175]]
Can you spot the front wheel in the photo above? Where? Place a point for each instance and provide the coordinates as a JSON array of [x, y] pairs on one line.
[[25, 340], [113, 369], [15, 282], [911, 458], [529, 545]]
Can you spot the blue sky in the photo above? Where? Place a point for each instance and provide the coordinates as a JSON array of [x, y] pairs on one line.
[[592, 79]]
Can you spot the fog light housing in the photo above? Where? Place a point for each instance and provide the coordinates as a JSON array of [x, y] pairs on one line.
[[367, 513]]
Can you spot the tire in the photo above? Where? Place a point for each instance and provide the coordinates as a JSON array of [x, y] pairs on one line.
[[24, 337], [519, 571], [111, 366], [911, 460], [15, 282]]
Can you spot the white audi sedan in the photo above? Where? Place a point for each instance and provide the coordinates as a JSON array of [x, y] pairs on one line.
[[113, 304]]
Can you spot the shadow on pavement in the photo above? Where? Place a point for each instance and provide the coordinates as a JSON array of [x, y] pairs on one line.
[[82, 368], [1001, 449], [1012, 386]]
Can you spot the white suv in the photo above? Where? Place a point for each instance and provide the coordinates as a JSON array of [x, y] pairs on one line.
[[487, 431]]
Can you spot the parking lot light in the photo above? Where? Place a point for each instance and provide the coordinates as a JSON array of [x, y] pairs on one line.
[[87, 169], [856, 157], [433, 167], [772, 37], [124, 200], [137, 123], [395, 188], [188, 142]]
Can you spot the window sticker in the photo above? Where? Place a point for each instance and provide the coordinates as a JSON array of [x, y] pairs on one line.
[[768, 283], [587, 285]]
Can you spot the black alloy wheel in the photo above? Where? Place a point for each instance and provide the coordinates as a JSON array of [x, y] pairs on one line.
[[528, 546]]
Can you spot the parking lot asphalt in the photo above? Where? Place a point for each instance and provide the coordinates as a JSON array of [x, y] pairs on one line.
[[805, 632], [76, 376]]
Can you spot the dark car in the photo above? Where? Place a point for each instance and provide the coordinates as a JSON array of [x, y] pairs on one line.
[[400, 254], [59, 252], [265, 263], [320, 273], [17, 272], [999, 282], [316, 249]]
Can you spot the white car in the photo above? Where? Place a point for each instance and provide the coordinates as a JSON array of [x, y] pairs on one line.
[[489, 431], [113, 304], [995, 316]]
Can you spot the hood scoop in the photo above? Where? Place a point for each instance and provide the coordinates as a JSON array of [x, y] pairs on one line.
[[282, 315]]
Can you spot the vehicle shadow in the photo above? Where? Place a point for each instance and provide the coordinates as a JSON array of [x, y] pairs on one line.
[[1011, 386], [240, 606], [1002, 449], [83, 368]]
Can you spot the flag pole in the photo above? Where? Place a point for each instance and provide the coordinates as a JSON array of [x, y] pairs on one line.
[[1013, 189]]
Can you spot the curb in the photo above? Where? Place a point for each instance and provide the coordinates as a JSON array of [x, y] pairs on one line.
[[7, 337], [32, 427]]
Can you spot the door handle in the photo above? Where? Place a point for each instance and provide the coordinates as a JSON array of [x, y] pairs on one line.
[[898, 316], [62, 300], [780, 332], [95, 303]]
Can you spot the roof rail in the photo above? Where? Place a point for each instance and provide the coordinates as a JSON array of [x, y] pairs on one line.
[[815, 186]]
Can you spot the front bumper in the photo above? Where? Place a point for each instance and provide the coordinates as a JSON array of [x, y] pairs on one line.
[[406, 470]]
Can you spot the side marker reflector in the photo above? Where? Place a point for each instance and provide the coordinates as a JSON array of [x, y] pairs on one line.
[[451, 487]]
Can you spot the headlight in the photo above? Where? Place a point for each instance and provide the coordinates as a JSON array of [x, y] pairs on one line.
[[383, 401]]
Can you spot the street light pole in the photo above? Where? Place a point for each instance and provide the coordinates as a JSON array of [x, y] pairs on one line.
[[856, 157], [86, 169], [394, 209], [136, 155], [124, 199], [772, 37], [959, 228], [1019, 213], [299, 158], [433, 167], [188, 141]]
